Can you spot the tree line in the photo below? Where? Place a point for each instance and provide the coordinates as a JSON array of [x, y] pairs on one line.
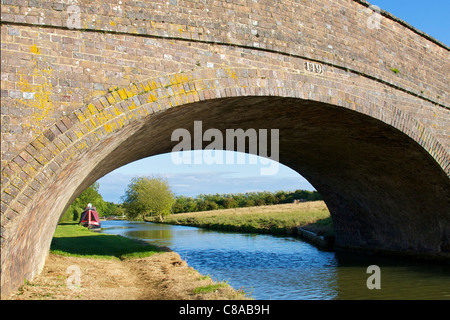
[[152, 196], [205, 202]]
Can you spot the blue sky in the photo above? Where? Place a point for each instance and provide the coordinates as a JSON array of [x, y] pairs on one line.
[[431, 17], [193, 179]]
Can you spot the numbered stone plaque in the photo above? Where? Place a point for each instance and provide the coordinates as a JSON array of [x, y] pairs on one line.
[[313, 67]]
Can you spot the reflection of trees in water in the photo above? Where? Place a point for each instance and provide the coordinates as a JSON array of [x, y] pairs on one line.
[[150, 234]]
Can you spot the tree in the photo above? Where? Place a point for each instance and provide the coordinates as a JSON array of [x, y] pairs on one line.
[[191, 206], [89, 195], [109, 209], [269, 198], [119, 211], [229, 202], [148, 196]]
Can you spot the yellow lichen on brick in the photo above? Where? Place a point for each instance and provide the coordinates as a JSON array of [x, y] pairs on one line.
[[120, 122], [34, 49], [132, 105], [122, 94], [186, 78], [81, 145], [116, 96], [129, 93], [39, 101], [179, 89], [179, 78], [94, 121], [117, 111], [108, 127], [92, 108], [101, 118], [153, 85], [80, 116], [94, 94], [79, 134], [110, 99], [232, 73], [151, 98], [146, 86]]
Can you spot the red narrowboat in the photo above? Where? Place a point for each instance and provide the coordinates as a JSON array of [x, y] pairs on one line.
[[89, 218]]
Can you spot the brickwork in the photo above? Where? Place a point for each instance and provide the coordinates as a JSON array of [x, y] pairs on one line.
[[69, 95]]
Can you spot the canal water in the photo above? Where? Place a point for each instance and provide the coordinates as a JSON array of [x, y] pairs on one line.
[[286, 268]]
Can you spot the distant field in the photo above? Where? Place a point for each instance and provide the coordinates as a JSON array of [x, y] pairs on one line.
[[275, 219]]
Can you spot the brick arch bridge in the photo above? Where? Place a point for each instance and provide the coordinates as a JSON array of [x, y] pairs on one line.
[[359, 96]]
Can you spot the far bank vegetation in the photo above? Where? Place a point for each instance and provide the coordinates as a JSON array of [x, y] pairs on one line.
[[150, 198]]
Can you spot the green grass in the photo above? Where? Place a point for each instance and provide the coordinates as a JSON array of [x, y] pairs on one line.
[[210, 288], [71, 239], [218, 285], [275, 219]]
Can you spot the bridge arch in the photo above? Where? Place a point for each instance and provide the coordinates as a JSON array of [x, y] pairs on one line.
[[365, 167], [363, 112]]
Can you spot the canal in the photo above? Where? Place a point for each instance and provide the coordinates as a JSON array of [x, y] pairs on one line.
[[287, 268]]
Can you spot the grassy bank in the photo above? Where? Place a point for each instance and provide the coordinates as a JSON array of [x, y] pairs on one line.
[[273, 219], [71, 239], [117, 268]]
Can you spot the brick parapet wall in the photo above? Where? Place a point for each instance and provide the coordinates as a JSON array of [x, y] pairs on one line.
[[333, 32]]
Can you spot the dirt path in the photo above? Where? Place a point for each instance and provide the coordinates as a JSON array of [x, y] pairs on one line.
[[163, 276]]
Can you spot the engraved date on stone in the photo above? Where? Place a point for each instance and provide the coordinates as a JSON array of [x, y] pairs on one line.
[[313, 67]]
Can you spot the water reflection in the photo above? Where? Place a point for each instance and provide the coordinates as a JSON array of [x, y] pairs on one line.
[[287, 268], [151, 234], [400, 278]]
